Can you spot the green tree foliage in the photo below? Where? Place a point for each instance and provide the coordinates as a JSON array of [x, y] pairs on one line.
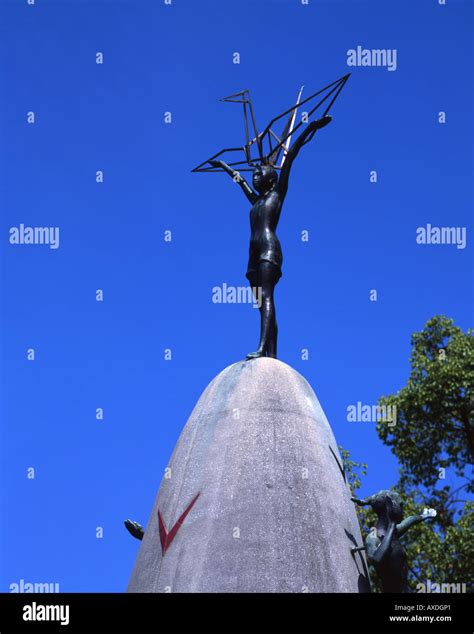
[[354, 470], [433, 440], [435, 424]]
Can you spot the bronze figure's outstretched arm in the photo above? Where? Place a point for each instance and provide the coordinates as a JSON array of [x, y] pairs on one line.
[[304, 137], [135, 529], [414, 519], [237, 178], [359, 502]]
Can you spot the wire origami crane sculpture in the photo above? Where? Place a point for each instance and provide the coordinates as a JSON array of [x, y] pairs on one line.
[[266, 148]]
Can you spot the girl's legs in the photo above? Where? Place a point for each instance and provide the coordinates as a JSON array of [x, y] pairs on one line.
[[268, 276]]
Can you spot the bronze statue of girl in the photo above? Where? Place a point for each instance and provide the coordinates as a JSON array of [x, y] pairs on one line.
[[268, 194], [265, 255], [384, 550]]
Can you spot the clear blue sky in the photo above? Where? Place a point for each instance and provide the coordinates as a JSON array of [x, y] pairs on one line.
[[109, 117]]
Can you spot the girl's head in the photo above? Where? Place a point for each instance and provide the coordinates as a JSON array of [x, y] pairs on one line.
[[387, 503], [264, 178]]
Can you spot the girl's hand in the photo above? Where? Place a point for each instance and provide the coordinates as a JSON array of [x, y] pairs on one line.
[[321, 123]]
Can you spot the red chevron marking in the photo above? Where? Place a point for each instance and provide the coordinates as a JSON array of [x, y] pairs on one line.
[[165, 537]]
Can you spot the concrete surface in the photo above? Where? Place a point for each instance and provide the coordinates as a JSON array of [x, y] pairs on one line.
[[274, 512]]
